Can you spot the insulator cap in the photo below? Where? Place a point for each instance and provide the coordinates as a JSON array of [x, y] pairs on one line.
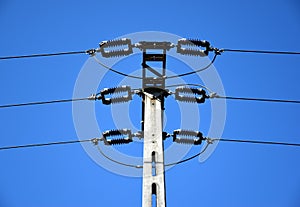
[[124, 42], [187, 137], [116, 99], [185, 94], [109, 140], [192, 51]]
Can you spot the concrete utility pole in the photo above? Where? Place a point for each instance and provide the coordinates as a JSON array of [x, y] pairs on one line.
[[152, 121], [153, 168]]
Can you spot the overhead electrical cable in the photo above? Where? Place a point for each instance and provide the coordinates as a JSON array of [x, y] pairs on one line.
[[92, 51], [256, 142], [114, 70], [256, 99], [44, 55], [209, 139], [44, 144], [212, 96], [261, 51], [215, 95], [96, 140], [44, 102]]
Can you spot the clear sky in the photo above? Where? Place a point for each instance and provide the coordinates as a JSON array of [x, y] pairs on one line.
[[235, 174]]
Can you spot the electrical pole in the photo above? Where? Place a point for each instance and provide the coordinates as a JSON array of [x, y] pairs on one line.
[[152, 120], [153, 167], [153, 95]]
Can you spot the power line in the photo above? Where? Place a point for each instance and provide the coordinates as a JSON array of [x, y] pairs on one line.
[[91, 51], [208, 139], [215, 95], [44, 102], [169, 86], [262, 51], [255, 142], [44, 55], [257, 99], [44, 144]]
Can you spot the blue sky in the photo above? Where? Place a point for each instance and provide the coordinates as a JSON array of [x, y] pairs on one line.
[[235, 175]]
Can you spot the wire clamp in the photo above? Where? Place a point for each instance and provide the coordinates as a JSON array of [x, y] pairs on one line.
[[94, 97], [209, 140], [138, 134], [217, 51], [91, 52], [213, 95], [95, 141]]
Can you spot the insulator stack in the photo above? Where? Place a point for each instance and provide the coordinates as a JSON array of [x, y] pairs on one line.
[[185, 94], [202, 43], [116, 95], [124, 43], [109, 137], [192, 43], [187, 137]]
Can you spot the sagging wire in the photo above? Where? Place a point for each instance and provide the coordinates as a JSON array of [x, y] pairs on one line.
[[95, 142], [190, 158], [109, 139], [116, 161], [113, 70], [195, 71], [167, 77]]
